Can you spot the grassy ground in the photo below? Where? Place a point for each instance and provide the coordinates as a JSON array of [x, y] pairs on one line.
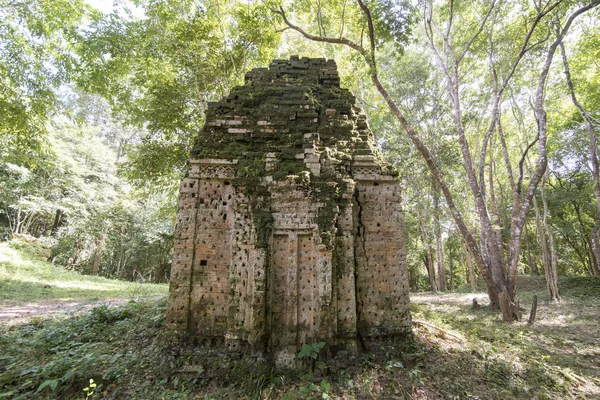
[[557, 357], [26, 277], [458, 353]]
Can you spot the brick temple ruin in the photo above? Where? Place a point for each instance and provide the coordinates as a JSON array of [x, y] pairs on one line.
[[289, 227]]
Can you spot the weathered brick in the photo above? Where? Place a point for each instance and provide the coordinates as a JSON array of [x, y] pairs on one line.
[[270, 209]]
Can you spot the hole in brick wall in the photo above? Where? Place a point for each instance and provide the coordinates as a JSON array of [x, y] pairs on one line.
[[203, 262], [375, 183], [227, 183], [224, 217], [378, 224], [193, 194]]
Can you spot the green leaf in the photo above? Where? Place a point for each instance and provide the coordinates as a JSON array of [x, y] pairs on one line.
[[305, 351], [325, 386], [71, 373], [52, 383]]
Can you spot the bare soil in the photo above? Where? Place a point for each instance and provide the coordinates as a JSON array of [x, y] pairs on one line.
[[18, 313]]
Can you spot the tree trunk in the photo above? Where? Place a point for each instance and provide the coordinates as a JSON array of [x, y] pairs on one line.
[[541, 225], [553, 256], [451, 266], [530, 260], [586, 240], [57, 222], [438, 240], [593, 153], [533, 310], [472, 277], [98, 254], [428, 252]]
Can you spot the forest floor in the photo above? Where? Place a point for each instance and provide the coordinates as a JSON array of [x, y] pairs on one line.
[[120, 349]]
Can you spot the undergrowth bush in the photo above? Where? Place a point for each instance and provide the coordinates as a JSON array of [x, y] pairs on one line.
[[57, 358]]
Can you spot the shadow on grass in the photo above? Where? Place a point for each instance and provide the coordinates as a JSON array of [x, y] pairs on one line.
[[560, 348]]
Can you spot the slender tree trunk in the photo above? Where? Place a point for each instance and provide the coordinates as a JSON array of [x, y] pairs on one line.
[[57, 222], [472, 276], [428, 251], [10, 220], [438, 239], [98, 254], [429, 261], [585, 239], [18, 222], [541, 224], [27, 221], [553, 274], [451, 266], [530, 260], [593, 153]]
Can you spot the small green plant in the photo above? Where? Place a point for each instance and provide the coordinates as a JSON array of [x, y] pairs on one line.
[[311, 351], [89, 390], [416, 376], [325, 389]]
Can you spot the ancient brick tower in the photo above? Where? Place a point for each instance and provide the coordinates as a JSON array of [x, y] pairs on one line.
[[289, 228]]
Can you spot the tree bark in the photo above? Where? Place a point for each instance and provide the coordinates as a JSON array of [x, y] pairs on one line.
[[439, 245], [553, 274], [98, 254], [428, 255], [57, 222], [533, 310], [472, 277], [541, 225]]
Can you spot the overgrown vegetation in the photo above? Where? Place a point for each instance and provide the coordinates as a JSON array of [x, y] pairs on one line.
[[459, 353]]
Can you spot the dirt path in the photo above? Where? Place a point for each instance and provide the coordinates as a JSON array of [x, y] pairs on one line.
[[16, 314]]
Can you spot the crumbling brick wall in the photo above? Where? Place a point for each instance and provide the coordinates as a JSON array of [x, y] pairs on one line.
[[289, 227]]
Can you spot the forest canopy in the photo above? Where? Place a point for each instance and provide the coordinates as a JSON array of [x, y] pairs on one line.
[[488, 109]]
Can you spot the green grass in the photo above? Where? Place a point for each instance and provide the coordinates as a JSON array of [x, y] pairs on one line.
[[25, 276]]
